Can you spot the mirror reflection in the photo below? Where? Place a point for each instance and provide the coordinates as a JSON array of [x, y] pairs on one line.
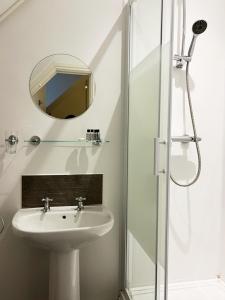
[[62, 86]]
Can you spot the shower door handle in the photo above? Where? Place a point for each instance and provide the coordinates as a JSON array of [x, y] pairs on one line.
[[157, 143]]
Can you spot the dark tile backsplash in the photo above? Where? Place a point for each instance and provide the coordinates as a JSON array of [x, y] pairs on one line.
[[63, 189]]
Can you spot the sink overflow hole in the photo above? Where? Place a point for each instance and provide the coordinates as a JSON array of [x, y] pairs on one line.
[[64, 217]]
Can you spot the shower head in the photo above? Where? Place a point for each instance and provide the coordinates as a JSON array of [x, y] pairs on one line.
[[198, 28]]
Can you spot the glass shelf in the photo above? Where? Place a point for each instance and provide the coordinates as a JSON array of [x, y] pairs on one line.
[[35, 141]]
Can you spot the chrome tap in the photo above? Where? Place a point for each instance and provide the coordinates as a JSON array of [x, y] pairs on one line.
[[46, 201], [80, 205]]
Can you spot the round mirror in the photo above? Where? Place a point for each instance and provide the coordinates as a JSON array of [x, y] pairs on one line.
[[62, 86]]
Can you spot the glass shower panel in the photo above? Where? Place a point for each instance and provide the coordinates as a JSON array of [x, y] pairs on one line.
[[144, 106], [149, 110]]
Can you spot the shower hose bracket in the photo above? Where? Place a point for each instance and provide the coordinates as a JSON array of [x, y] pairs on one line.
[[180, 60]]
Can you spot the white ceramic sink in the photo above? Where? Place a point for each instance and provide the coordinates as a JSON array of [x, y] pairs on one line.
[[63, 231], [62, 228]]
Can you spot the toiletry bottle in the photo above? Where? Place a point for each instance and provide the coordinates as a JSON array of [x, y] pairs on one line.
[[92, 135], [88, 135], [95, 135], [98, 138]]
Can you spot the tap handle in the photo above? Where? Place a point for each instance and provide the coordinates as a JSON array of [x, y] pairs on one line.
[[47, 200], [80, 199]]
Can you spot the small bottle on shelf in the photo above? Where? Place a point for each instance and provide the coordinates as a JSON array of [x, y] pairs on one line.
[[95, 135], [98, 137], [88, 135], [92, 135]]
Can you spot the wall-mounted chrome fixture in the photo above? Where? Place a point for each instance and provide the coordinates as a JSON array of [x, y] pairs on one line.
[[198, 28], [11, 142], [35, 140], [185, 139], [180, 60]]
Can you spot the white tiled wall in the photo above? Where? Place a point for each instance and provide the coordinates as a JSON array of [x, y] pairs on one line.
[[197, 227]]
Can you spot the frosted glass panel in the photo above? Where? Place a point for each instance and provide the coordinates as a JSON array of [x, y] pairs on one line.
[[144, 103], [149, 98]]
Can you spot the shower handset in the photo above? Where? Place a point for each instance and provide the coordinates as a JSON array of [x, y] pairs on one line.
[[198, 28]]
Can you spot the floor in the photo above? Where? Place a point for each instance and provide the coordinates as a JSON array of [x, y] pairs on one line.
[[201, 290]]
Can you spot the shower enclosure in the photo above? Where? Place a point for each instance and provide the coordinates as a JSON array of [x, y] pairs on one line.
[[175, 247], [148, 148]]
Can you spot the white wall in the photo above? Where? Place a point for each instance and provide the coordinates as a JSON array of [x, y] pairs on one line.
[[94, 32], [8, 6], [197, 227]]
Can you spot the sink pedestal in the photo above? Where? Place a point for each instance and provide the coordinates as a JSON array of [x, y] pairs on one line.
[[64, 276], [63, 232]]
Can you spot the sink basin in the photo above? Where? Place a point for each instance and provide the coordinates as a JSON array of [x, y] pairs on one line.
[[63, 231], [62, 228]]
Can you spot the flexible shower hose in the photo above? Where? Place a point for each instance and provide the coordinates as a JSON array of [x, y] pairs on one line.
[[194, 131]]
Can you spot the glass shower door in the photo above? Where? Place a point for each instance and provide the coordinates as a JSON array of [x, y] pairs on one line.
[[148, 148]]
